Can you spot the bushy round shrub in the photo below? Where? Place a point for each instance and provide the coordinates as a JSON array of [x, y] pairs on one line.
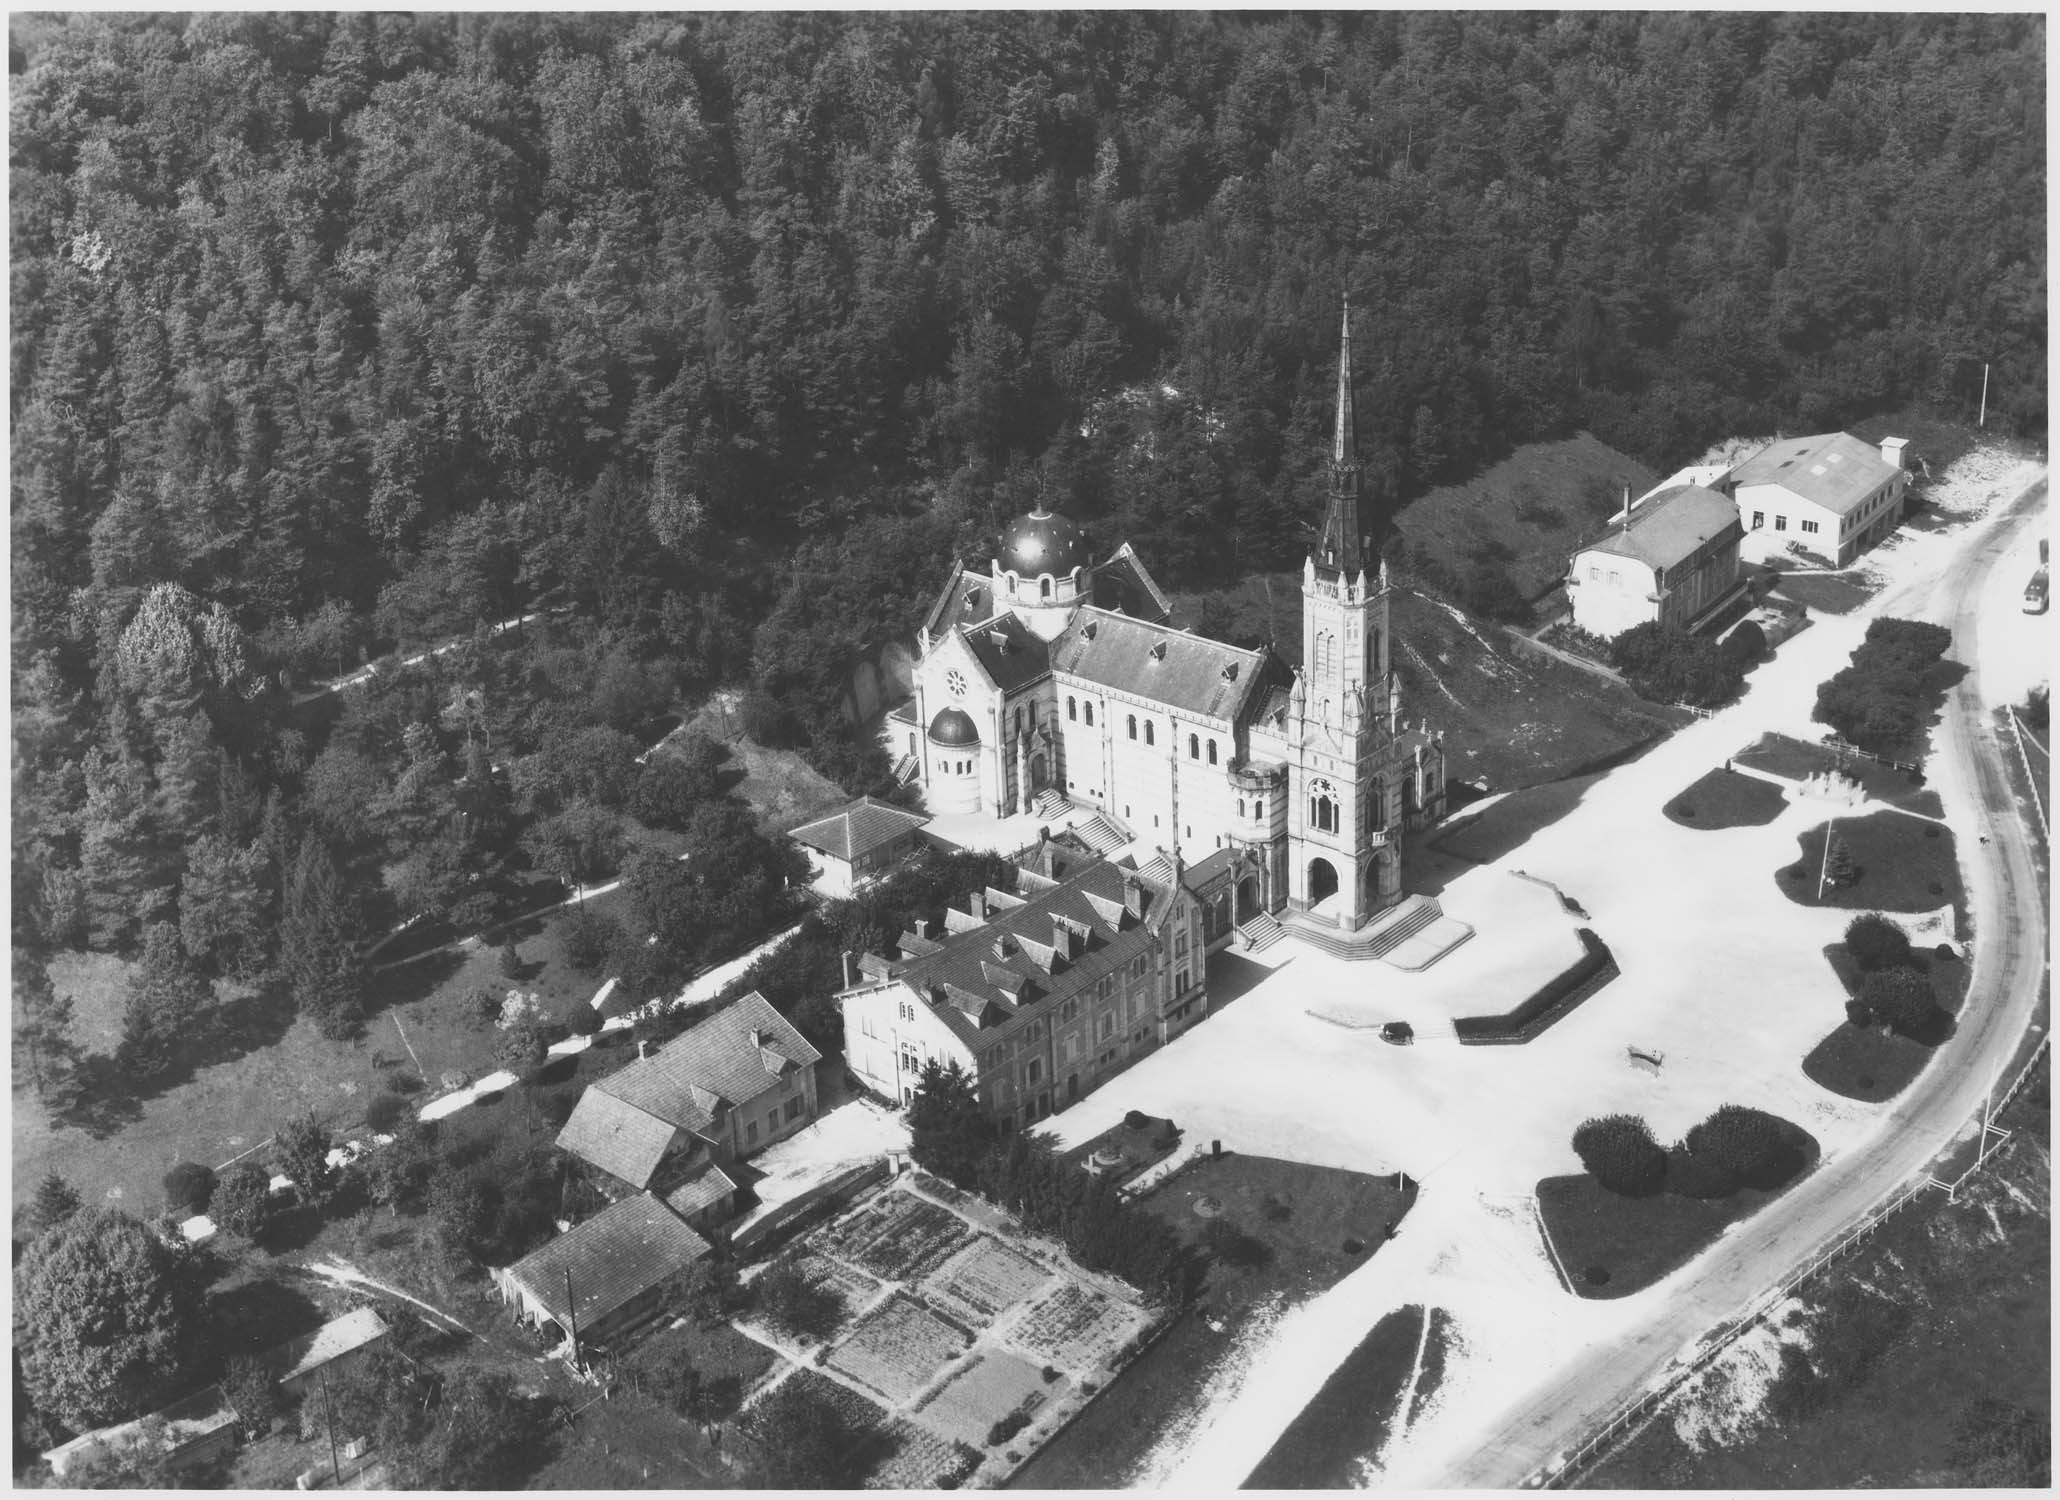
[[582, 1020], [1859, 1012], [1875, 942], [1748, 643], [589, 935], [383, 1111], [188, 1187], [1900, 996], [1620, 1153], [1945, 951], [1752, 1143], [1694, 1176]]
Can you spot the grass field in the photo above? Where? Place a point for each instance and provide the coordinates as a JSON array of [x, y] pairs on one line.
[[1826, 593], [1873, 1063], [1781, 755], [1356, 1412], [1300, 1255], [1726, 799], [1633, 1242], [1947, 1306], [1901, 863]]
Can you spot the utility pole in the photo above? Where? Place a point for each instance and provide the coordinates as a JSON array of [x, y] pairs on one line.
[[329, 1421], [572, 1318], [1830, 833], [1983, 421]]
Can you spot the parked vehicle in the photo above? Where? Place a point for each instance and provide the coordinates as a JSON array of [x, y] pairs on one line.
[[1401, 1033], [2035, 594]]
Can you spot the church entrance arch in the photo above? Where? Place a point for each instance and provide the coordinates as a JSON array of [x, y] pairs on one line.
[[1323, 881], [1248, 898], [1040, 772]]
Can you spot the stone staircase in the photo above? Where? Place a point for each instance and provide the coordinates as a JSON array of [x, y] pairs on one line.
[[1103, 833], [1052, 803], [1386, 935], [1260, 933]]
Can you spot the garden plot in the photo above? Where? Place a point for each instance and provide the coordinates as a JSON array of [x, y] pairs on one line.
[[992, 1386], [982, 1281], [898, 1237], [1076, 1328], [853, 1285], [898, 1348], [922, 1460]]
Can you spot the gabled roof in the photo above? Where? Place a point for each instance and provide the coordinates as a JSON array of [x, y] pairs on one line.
[[1833, 469], [1122, 583], [966, 597], [614, 1257], [622, 1140], [701, 1072], [333, 1340], [1008, 651], [858, 828], [1192, 673], [700, 1190], [1669, 527]]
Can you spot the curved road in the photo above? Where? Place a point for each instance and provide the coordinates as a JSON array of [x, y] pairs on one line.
[[2009, 955]]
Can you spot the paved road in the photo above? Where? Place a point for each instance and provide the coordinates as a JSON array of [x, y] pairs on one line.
[[2009, 954]]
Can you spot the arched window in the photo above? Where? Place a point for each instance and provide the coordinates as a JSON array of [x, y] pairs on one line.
[[1019, 719], [1133, 726], [1148, 732], [1324, 814], [1044, 587], [1073, 710], [1212, 752], [1090, 716], [1240, 807], [1373, 652], [1194, 747]]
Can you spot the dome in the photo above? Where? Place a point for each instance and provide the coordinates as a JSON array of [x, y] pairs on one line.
[[955, 727], [1042, 542]]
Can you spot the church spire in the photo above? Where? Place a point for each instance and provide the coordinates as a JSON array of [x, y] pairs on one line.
[[1343, 544]]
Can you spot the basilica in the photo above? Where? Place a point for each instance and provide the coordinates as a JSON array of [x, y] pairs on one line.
[[1049, 678]]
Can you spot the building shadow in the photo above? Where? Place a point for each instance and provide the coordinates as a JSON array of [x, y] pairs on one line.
[[1231, 976]]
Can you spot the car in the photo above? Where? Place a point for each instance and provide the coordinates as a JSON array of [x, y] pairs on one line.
[[1401, 1033]]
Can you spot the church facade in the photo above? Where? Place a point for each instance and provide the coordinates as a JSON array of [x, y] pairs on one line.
[[1049, 675]]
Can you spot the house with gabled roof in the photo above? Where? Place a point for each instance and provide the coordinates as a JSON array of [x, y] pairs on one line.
[[1040, 994], [606, 1275], [859, 842], [669, 1122], [1670, 559], [1830, 496]]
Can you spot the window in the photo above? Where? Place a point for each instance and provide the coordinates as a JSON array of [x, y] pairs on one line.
[[1194, 747], [1073, 710], [1133, 726], [1108, 1028], [1148, 731], [1240, 807], [1780, 523], [1106, 988], [1810, 527], [794, 1108], [1033, 1070], [1090, 716], [1180, 983], [1019, 719], [1069, 1010], [1137, 966], [1759, 519], [1212, 752], [1044, 587], [1324, 814], [908, 1011], [750, 1131], [1180, 947], [955, 683]]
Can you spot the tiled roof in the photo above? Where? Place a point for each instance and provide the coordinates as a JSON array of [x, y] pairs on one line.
[[693, 1076], [1192, 673], [967, 598], [185, 1421], [616, 1136], [1669, 527], [614, 1257], [957, 979], [333, 1340], [1009, 651], [858, 829], [697, 1192], [1122, 583], [1833, 469]]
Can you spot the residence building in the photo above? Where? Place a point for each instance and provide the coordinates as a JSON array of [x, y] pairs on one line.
[[187, 1433], [720, 1092], [858, 843], [1046, 679], [331, 1349], [1671, 558], [1830, 497], [605, 1276], [1039, 996]]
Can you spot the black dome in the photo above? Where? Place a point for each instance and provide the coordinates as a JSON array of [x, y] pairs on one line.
[[1042, 542], [954, 727]]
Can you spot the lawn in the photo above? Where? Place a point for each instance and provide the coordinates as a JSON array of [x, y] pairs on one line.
[[898, 1348], [1332, 1221], [631, 1442], [1782, 755], [991, 1386], [1874, 1063], [1900, 863], [1727, 799], [1613, 1245], [1827, 593], [1962, 1313], [1353, 1416], [1128, 1150], [716, 1352]]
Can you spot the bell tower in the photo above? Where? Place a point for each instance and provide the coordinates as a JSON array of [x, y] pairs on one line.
[[1344, 813]]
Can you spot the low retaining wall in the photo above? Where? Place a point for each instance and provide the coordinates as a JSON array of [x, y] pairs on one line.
[[775, 1223], [1552, 1000]]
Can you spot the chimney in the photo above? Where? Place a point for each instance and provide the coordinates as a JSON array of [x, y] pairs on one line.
[[847, 968], [1892, 452], [643, 1047], [1627, 507]]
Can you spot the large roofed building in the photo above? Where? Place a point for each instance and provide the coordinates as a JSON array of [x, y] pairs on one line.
[[1049, 678], [1671, 559], [1830, 496]]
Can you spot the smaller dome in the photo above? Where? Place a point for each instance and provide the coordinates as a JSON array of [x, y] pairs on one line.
[[955, 727], [1042, 542]]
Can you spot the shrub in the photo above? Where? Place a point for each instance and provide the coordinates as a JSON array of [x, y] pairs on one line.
[[1876, 943], [1859, 1012], [384, 1112], [589, 935], [242, 1203], [795, 1302], [583, 1020], [483, 1007], [1746, 644], [768, 722], [1900, 996], [1666, 663], [1697, 1176], [1752, 1143], [1945, 951], [510, 961], [1838, 863], [1007, 1428], [188, 1187], [1620, 1153]]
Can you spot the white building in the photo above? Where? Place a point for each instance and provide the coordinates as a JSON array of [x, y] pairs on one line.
[[1671, 558], [1046, 678], [1830, 496]]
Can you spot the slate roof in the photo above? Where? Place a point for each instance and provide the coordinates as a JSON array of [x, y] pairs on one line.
[[1667, 529], [1122, 583], [697, 1192], [967, 979], [610, 1133], [1833, 469], [333, 1340], [967, 598], [1192, 673], [695, 1076], [857, 829], [614, 1257], [1009, 651]]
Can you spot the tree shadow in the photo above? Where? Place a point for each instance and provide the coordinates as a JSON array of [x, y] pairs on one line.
[[104, 1103], [413, 982], [255, 1315]]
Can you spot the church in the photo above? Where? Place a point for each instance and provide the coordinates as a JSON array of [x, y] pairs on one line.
[[1051, 679]]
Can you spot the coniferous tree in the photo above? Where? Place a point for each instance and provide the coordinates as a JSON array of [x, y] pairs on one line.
[[42, 1033], [166, 1009]]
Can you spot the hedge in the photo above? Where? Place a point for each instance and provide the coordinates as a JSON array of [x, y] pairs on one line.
[[1551, 1002]]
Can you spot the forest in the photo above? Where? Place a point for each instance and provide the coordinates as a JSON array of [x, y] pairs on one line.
[[707, 342]]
